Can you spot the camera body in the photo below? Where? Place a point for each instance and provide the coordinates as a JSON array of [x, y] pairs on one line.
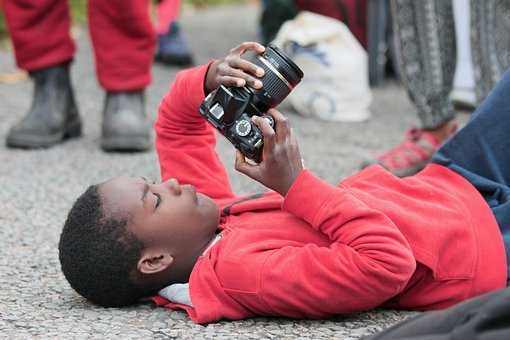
[[229, 109]]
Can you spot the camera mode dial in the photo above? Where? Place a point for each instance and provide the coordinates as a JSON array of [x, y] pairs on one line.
[[243, 128]]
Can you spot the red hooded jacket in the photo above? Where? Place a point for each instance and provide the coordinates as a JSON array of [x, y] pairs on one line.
[[422, 242]]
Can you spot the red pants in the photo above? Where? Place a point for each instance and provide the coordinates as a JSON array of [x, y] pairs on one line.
[[168, 11], [121, 31]]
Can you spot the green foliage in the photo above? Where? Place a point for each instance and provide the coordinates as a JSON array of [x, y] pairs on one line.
[[2, 25], [78, 10], [212, 2]]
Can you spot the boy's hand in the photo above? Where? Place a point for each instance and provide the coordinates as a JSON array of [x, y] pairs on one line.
[[234, 70], [281, 160]]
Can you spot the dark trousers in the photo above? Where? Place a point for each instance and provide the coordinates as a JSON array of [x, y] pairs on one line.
[[480, 152], [483, 318]]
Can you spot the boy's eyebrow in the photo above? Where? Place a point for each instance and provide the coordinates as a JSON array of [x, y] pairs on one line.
[[145, 190]]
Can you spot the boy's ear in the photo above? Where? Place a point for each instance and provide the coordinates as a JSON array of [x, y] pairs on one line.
[[152, 262]]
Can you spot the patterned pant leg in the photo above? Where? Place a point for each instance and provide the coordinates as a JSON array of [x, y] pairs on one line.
[[426, 53], [490, 41]]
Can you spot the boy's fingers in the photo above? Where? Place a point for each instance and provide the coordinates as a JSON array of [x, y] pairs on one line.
[[267, 131], [231, 81], [244, 167], [250, 45], [247, 66], [232, 72], [277, 115], [281, 122]]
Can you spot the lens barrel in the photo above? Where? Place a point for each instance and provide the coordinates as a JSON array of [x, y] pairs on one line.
[[281, 75], [284, 65]]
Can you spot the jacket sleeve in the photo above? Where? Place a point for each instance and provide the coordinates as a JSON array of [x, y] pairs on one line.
[[368, 260], [185, 142]]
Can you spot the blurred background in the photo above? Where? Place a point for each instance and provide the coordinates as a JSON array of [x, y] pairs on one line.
[[351, 107]]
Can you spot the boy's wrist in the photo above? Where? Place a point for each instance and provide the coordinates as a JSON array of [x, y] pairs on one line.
[[308, 195]]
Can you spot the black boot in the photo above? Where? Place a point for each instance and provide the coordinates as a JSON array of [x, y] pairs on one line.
[[172, 48], [53, 115], [125, 125]]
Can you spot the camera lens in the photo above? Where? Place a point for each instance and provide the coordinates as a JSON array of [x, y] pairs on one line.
[[280, 77]]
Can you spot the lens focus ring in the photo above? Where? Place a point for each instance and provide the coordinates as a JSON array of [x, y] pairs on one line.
[[280, 74], [285, 66], [274, 86]]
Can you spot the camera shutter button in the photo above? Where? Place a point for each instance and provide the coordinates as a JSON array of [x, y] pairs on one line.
[[269, 119], [243, 128]]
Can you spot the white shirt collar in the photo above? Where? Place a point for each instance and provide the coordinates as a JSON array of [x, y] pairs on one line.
[[179, 292]]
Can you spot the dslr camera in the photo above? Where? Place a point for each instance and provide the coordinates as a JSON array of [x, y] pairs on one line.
[[229, 109]]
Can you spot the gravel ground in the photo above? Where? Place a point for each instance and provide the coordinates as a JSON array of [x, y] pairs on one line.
[[38, 188]]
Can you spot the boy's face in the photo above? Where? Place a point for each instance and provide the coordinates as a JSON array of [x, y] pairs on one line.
[[166, 215]]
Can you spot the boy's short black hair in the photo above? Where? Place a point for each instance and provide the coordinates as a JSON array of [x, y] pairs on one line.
[[98, 254]]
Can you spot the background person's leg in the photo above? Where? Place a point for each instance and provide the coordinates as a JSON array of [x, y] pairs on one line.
[[40, 32], [490, 43], [480, 152], [425, 36], [172, 47], [425, 50], [167, 11], [124, 40], [43, 46]]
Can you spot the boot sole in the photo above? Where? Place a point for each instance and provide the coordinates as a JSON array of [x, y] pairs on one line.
[[29, 141], [125, 143]]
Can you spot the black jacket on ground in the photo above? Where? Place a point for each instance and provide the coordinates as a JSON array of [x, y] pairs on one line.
[[486, 317]]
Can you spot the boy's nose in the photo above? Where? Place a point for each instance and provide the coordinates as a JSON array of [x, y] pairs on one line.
[[173, 185]]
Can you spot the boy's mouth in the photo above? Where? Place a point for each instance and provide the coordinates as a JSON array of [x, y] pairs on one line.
[[192, 190]]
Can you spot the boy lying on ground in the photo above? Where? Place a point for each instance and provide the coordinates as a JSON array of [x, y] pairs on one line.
[[305, 249]]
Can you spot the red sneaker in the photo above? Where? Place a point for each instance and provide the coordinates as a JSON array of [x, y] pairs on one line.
[[411, 155]]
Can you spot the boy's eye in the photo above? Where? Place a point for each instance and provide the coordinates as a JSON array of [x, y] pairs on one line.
[[158, 200]]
